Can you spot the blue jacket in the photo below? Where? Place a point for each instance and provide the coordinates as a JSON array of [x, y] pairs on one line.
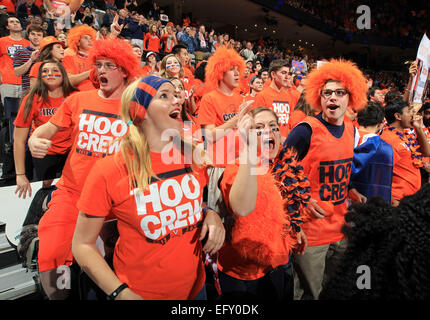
[[190, 42], [372, 168]]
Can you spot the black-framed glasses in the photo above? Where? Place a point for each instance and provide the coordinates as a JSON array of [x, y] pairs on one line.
[[327, 93]]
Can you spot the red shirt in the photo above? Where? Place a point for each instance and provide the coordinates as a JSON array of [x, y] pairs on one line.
[[257, 244], [97, 126], [168, 42], [406, 177], [328, 168], [151, 42], [77, 64], [296, 117], [217, 108], [282, 102], [10, 5], [41, 113], [8, 47], [158, 253]]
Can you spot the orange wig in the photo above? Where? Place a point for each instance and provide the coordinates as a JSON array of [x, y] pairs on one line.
[[343, 71], [76, 33], [220, 62], [121, 53]]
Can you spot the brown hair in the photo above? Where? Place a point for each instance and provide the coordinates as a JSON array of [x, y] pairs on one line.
[[41, 90], [258, 110], [275, 65]]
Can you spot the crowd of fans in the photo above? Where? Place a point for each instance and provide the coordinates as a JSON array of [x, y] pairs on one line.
[[214, 82], [391, 19]]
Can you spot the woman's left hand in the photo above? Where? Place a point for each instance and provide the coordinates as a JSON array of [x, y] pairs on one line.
[[212, 225]]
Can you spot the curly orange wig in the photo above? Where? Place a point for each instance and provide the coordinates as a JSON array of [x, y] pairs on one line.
[[221, 61], [343, 71], [76, 33], [121, 53]]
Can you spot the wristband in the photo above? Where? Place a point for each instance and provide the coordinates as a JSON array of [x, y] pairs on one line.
[[118, 290], [20, 174], [206, 209]]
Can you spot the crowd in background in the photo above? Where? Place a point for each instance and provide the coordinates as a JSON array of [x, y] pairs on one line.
[[177, 55], [390, 19]]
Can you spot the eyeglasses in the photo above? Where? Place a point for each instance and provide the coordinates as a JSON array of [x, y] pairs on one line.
[[327, 93], [108, 66]]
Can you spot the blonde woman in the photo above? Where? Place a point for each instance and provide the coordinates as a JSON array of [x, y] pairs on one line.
[[171, 67], [157, 202]]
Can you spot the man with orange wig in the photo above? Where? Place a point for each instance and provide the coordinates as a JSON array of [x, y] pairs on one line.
[[218, 113], [95, 118], [325, 148], [78, 65]]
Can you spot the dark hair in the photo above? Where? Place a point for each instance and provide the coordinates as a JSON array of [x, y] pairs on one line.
[[255, 78], [391, 95], [371, 92], [275, 65], [424, 107], [34, 28], [46, 53], [41, 90], [199, 73], [177, 49], [371, 116], [393, 242], [263, 70], [393, 107]]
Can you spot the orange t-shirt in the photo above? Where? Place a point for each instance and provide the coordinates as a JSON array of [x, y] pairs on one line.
[[146, 69], [328, 168], [295, 93], [8, 47], [282, 102], [296, 117], [248, 97], [34, 70], [257, 244], [406, 177], [97, 126], [41, 113], [188, 74], [245, 85], [216, 108], [75, 65], [153, 43], [158, 253], [267, 83]]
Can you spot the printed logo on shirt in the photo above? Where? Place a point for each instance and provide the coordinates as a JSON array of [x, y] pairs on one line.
[[282, 109], [98, 133], [11, 50], [334, 178], [228, 116], [47, 112], [170, 207]]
